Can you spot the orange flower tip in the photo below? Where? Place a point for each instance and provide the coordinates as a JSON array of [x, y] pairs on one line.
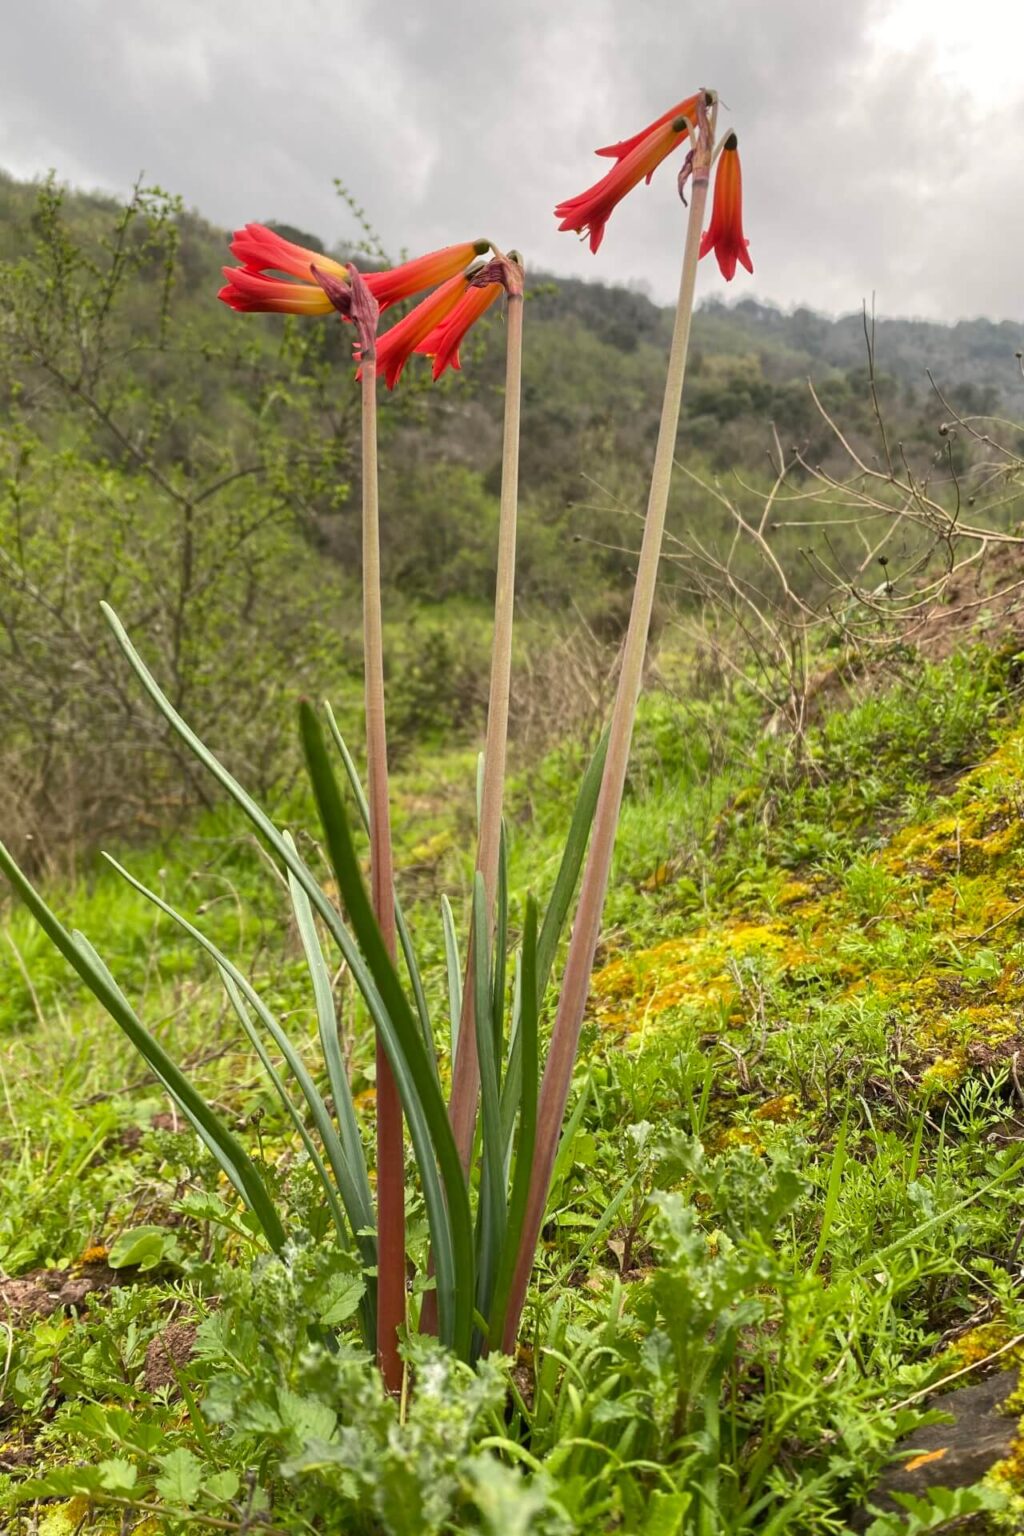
[[680, 124], [731, 143], [481, 247]]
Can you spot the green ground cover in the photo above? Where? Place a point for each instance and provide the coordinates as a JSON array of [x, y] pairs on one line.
[[787, 1198]]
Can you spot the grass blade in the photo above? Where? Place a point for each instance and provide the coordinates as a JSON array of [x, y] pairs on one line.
[[835, 1184], [563, 1158]]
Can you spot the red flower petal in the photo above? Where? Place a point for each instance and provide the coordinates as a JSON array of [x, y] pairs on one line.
[[687, 108], [589, 211], [443, 343], [724, 235], [252, 292], [396, 346], [259, 248], [423, 272]]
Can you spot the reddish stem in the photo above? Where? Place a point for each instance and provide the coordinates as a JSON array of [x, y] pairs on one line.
[[390, 1140]]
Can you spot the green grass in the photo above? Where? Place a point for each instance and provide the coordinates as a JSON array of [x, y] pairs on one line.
[[786, 1200]]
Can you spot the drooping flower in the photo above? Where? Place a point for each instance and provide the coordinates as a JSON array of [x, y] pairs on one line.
[[686, 108], [255, 293], [724, 235], [258, 286], [397, 345], [411, 277], [251, 287], [443, 343], [590, 211]]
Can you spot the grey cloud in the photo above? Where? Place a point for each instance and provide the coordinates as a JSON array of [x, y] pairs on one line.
[[863, 170]]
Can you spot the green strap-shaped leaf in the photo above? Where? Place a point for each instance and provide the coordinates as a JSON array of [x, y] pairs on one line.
[[453, 965], [228, 1153], [454, 1309], [500, 951], [529, 1075], [554, 918], [237, 1002], [426, 1126], [359, 1202], [570, 866], [511, 1086], [285, 850], [404, 936], [491, 1216], [448, 1210], [317, 1108]]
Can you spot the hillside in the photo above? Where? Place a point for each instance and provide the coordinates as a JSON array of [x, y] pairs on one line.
[[595, 353], [198, 469]]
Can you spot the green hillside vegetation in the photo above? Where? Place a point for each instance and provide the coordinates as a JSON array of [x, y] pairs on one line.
[[197, 468], [786, 1213]]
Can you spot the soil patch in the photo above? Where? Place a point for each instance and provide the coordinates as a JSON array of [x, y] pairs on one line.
[[42, 1292]]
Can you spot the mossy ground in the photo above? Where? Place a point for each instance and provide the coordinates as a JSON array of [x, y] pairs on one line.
[[927, 928]]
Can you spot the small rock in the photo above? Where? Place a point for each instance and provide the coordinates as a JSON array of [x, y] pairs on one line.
[[952, 1455]]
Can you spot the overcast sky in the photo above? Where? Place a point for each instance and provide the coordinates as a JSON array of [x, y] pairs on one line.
[[881, 140]]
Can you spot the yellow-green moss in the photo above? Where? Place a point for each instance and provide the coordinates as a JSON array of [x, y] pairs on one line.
[[958, 886]]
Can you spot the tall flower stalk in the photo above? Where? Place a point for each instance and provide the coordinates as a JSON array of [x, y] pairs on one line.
[[557, 1080], [390, 1140], [506, 272], [354, 301], [466, 1077]]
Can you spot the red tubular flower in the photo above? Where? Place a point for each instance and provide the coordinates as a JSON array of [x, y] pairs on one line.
[[687, 108], [249, 288], [590, 211], [724, 235], [251, 292], [443, 343], [396, 346], [261, 250], [423, 272], [258, 286]]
